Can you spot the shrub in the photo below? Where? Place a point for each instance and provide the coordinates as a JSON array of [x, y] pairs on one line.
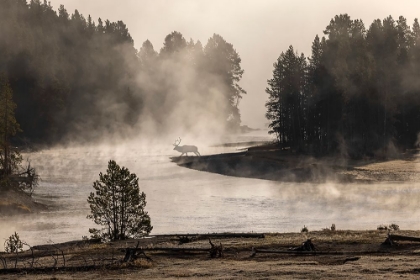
[[394, 227], [13, 244], [382, 227]]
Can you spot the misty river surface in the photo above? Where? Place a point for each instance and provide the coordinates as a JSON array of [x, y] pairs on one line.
[[181, 200]]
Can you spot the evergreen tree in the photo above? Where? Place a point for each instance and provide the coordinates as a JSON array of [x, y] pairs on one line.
[[316, 73], [223, 65], [147, 55], [174, 46], [118, 206], [361, 91], [9, 158], [287, 99]]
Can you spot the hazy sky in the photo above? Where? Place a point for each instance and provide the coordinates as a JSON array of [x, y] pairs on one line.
[[258, 29]]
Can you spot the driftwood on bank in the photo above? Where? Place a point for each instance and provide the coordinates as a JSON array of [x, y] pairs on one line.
[[216, 250], [132, 253], [390, 240], [288, 252], [171, 249], [306, 246], [196, 236]]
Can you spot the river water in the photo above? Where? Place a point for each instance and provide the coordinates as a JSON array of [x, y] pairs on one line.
[[181, 200]]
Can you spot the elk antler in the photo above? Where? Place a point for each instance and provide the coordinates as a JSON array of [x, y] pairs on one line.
[[179, 141]]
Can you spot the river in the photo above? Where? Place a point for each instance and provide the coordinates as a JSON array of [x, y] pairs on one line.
[[181, 200]]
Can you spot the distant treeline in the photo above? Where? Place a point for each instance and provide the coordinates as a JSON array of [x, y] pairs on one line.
[[73, 77], [358, 94]]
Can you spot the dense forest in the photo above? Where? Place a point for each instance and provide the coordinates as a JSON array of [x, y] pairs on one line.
[[358, 94], [74, 78]]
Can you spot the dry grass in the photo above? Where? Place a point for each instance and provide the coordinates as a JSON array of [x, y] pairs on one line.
[[360, 255]]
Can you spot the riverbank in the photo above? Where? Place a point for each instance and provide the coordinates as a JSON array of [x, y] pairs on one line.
[[15, 202], [340, 254], [270, 162], [346, 254]]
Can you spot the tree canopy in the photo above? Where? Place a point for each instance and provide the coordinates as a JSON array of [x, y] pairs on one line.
[[357, 94], [74, 77]]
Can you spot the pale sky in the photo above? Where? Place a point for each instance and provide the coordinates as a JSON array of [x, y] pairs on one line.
[[259, 30]]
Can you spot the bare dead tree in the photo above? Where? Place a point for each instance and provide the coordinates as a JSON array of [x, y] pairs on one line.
[[58, 251], [32, 254], [216, 251], [4, 262]]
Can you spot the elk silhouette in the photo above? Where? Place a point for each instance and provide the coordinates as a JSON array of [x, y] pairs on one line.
[[185, 149]]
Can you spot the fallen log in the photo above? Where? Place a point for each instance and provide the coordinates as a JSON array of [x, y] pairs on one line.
[[75, 243], [214, 250], [391, 238], [304, 253], [265, 251], [306, 246], [396, 237], [213, 235], [352, 259], [41, 270], [169, 249]]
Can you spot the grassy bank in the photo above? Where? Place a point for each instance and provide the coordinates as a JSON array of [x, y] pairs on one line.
[[343, 254]]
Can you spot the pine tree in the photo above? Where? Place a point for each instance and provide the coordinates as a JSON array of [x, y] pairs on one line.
[[174, 46], [9, 158], [118, 206], [314, 80], [223, 66], [287, 99]]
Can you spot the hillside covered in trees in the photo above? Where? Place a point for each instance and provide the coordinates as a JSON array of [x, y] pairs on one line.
[[357, 94], [72, 77]]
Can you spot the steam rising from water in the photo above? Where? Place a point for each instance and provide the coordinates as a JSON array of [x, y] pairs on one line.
[[180, 200]]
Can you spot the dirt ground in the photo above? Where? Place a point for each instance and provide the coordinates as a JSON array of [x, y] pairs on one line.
[[339, 255]]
